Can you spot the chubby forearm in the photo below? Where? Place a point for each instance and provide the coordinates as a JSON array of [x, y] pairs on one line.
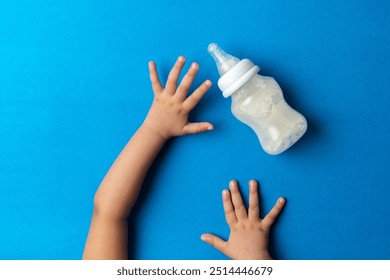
[[117, 193], [120, 187], [107, 239]]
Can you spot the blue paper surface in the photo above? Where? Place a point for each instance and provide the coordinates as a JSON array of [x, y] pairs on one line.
[[74, 87]]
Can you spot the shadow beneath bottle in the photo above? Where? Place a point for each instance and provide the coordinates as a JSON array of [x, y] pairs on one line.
[[315, 130]]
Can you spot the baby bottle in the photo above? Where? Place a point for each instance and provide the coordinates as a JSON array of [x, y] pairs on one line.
[[258, 102]]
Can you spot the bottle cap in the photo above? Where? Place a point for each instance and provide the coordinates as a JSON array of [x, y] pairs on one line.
[[234, 72], [236, 77]]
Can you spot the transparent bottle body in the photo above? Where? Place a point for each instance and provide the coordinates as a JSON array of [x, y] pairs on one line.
[[260, 104]]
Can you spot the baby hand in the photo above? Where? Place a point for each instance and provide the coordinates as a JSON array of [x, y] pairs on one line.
[[168, 115], [248, 233]]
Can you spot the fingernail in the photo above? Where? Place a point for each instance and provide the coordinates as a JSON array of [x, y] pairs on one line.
[[203, 237], [210, 127], [194, 65], [281, 200], [232, 184]]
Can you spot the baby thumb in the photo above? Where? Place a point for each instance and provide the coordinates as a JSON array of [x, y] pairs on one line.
[[215, 241], [197, 127]]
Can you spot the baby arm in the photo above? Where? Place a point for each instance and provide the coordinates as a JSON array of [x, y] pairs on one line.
[[117, 193], [248, 233]]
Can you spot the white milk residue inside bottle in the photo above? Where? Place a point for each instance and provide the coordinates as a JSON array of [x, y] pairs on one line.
[[258, 102]]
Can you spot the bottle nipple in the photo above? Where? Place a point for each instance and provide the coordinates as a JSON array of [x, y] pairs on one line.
[[223, 60]]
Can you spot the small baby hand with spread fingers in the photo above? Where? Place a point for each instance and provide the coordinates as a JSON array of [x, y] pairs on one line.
[[248, 233], [168, 115]]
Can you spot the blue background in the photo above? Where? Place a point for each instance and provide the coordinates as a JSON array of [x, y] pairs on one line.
[[74, 87]]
